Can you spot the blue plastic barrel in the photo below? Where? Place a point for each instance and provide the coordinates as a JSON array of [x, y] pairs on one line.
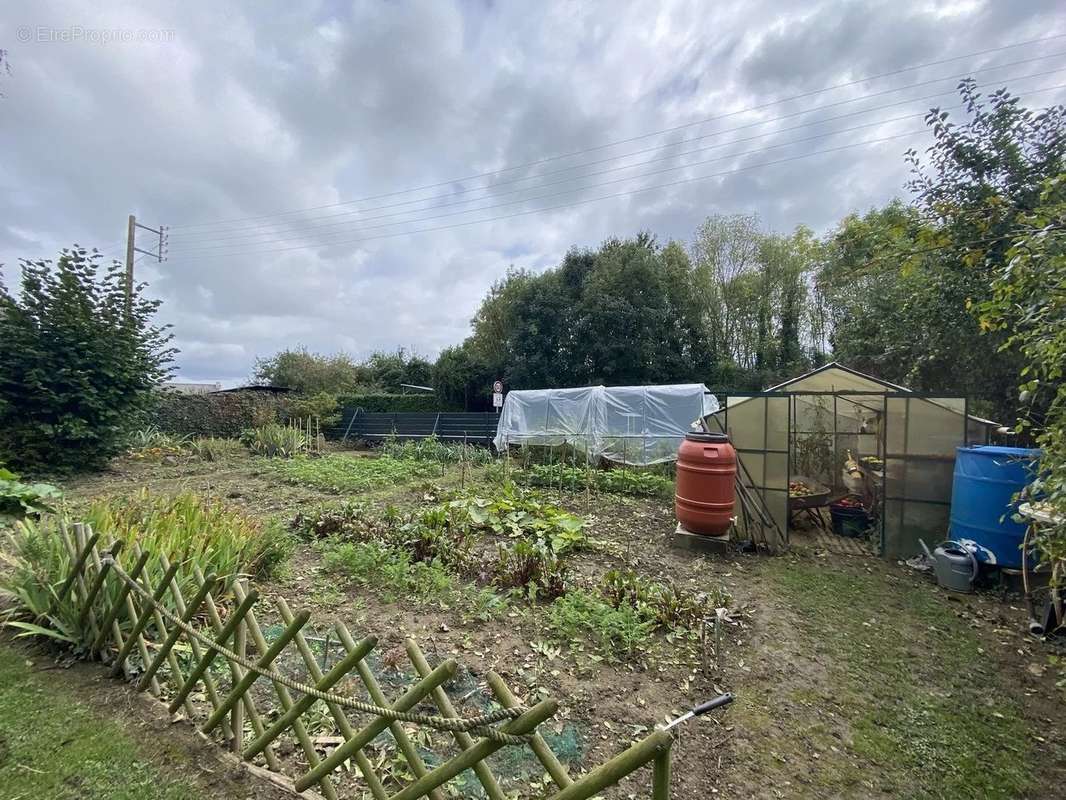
[[986, 480]]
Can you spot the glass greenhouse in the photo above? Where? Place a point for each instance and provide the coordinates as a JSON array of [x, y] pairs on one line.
[[810, 427]]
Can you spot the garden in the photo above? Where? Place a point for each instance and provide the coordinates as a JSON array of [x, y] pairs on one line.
[[561, 579]]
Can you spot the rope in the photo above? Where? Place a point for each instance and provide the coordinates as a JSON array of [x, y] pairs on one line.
[[480, 725]]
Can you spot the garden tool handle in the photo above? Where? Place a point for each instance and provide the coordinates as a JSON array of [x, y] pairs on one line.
[[711, 705]]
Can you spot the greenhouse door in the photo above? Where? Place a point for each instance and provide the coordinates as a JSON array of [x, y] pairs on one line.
[[920, 437], [759, 427]]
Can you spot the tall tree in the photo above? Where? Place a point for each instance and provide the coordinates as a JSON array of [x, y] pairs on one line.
[[76, 368]]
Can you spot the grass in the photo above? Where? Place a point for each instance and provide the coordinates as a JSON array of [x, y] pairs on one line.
[[926, 709], [636, 483], [340, 474], [52, 745]]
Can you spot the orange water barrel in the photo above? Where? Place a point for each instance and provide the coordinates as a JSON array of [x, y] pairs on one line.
[[704, 491]]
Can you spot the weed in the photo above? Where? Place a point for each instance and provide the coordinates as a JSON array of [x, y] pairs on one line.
[[374, 565], [350, 519], [339, 473], [580, 615], [666, 606]]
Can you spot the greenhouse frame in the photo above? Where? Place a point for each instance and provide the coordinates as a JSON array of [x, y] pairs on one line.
[[806, 427]]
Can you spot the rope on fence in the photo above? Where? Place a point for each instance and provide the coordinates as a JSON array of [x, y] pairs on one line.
[[480, 725]]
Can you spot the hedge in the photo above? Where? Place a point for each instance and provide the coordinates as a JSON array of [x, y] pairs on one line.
[[223, 415], [376, 403]]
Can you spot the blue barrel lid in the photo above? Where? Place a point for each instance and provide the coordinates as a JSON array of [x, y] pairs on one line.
[[996, 450]]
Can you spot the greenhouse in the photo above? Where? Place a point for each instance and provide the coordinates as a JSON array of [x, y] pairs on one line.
[[634, 425], [835, 432]]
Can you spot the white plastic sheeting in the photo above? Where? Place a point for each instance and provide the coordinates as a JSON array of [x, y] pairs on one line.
[[636, 425]]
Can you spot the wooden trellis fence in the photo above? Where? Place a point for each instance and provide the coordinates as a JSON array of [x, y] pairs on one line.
[[207, 628]]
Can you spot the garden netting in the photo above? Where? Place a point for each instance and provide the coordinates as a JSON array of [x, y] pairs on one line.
[[636, 425]]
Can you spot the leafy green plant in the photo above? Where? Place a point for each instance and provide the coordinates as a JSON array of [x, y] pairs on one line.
[[433, 449], [212, 448], [339, 472], [666, 606], [18, 499], [638, 483], [37, 563], [580, 616], [277, 441], [531, 566], [524, 514], [391, 571]]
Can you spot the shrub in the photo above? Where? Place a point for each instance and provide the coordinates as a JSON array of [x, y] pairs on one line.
[[322, 406], [211, 448], [37, 562], [76, 362], [581, 616], [19, 500], [339, 473], [224, 415], [277, 441], [151, 444], [379, 403]]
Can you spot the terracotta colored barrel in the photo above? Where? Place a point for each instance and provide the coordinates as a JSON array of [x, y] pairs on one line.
[[704, 492]]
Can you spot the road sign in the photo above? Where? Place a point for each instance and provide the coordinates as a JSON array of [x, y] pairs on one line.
[[497, 387], [497, 399]]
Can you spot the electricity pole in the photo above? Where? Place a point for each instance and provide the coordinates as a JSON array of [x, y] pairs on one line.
[[131, 248]]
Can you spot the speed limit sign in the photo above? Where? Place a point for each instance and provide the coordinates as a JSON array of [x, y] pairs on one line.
[[497, 387]]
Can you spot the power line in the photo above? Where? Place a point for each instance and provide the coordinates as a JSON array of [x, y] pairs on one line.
[[660, 132], [256, 238], [679, 182]]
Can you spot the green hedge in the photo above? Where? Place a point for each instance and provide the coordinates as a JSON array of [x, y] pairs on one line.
[[224, 415], [372, 403]]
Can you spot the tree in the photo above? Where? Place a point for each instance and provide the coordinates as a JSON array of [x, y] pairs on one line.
[[75, 368], [1028, 306], [311, 373]]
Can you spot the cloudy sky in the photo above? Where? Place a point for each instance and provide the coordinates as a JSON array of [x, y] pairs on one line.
[[354, 175]]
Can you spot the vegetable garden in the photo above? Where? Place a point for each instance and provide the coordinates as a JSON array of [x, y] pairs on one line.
[[560, 579]]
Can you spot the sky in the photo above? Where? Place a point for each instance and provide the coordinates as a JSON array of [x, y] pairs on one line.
[[353, 176]]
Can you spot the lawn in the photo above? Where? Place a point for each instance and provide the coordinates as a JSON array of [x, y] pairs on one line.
[[54, 744], [854, 677]]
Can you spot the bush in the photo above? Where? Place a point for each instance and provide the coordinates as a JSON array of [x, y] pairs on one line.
[[322, 406], [378, 403], [76, 363], [223, 415]]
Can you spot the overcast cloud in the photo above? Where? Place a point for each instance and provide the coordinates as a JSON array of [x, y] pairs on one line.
[[199, 114]]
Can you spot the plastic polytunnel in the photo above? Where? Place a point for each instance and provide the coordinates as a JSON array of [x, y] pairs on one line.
[[637, 425]]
